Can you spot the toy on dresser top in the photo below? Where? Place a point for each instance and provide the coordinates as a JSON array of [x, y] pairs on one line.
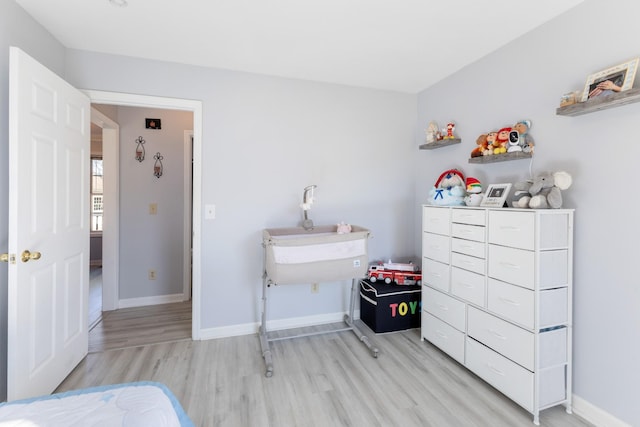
[[543, 192], [449, 189]]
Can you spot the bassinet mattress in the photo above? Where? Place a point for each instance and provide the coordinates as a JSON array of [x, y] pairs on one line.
[[138, 404]]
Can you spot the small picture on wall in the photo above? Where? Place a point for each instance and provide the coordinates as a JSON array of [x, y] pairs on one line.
[[152, 123], [612, 80]]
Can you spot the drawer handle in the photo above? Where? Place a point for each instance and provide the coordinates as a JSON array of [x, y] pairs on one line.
[[465, 261], [436, 274], [441, 335], [466, 285], [496, 370], [509, 301], [466, 246], [510, 265], [497, 334], [442, 307], [509, 228]]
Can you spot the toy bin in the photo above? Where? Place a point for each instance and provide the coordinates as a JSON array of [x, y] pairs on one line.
[[388, 308]]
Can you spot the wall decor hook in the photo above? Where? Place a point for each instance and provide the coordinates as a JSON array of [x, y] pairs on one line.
[[157, 166], [140, 149]]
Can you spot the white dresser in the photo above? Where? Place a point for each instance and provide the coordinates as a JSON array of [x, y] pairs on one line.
[[497, 295]]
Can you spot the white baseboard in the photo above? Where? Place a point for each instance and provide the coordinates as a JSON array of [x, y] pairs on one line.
[[144, 301], [595, 415], [272, 325]]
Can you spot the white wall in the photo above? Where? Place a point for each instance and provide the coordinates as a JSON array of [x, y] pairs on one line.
[[525, 79], [264, 140]]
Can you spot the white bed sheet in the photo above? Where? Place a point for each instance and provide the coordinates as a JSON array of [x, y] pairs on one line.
[[138, 404]]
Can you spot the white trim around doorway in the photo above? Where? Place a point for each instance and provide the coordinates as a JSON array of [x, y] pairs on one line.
[[133, 100]]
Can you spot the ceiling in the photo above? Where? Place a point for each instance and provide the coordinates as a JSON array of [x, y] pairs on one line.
[[399, 45]]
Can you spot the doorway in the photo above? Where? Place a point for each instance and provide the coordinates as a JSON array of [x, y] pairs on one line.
[[110, 242]]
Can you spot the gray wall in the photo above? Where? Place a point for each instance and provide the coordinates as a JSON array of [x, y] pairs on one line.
[[16, 29], [264, 140], [525, 80], [151, 241]]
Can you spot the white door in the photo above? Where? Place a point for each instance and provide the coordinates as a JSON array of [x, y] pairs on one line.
[[48, 216]]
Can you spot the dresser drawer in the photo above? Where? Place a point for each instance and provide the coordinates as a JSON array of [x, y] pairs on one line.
[[436, 247], [515, 229], [515, 266], [468, 286], [508, 377], [436, 220], [469, 216], [469, 232], [435, 274], [468, 247], [444, 307], [443, 336], [507, 339], [467, 262], [511, 302]]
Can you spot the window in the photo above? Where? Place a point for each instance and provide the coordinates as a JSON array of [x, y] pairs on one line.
[[96, 194]]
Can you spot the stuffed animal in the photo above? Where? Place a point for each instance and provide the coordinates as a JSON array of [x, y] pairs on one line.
[[502, 139], [544, 191], [449, 189], [481, 147], [491, 143], [474, 192], [525, 141], [431, 132], [450, 127]]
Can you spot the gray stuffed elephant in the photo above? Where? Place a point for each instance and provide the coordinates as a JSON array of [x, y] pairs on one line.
[[544, 191]]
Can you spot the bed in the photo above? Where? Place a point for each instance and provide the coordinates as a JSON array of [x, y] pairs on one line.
[[136, 404]]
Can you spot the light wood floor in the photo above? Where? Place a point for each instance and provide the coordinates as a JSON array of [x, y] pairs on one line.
[[133, 327], [323, 380]]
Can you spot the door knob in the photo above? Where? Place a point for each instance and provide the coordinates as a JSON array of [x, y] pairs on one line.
[[26, 256], [4, 258]]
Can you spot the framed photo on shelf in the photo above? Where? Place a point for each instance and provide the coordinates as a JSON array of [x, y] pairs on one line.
[[614, 79], [496, 195]]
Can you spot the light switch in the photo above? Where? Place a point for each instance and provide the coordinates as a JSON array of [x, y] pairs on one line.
[[153, 208], [210, 212]]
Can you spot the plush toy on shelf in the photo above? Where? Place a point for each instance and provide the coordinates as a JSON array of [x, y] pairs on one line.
[[544, 192], [449, 189], [431, 133], [502, 140], [450, 128], [481, 147], [525, 141], [491, 143]]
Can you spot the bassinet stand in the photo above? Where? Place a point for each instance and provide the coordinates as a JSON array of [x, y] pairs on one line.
[[348, 320]]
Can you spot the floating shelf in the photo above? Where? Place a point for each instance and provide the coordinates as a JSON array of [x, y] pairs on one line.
[[501, 157], [600, 103], [441, 143]]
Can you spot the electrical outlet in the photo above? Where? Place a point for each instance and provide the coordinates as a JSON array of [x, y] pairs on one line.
[[152, 275], [315, 288]]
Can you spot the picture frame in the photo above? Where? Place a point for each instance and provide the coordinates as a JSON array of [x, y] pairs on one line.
[[152, 123], [496, 195], [621, 75]]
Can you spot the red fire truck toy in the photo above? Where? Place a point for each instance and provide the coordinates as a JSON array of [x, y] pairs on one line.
[[398, 273]]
